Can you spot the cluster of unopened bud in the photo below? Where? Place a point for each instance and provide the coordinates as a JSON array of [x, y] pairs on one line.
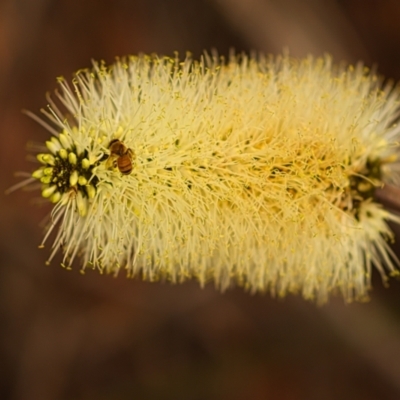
[[66, 172], [362, 185]]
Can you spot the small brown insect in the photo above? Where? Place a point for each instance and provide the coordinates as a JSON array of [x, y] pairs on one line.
[[120, 156]]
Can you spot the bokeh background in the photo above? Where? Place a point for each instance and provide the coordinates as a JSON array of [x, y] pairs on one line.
[[67, 336]]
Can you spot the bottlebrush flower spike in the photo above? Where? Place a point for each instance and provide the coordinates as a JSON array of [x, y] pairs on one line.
[[255, 171]]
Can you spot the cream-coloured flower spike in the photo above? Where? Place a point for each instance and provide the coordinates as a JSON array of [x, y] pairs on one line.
[[257, 172]]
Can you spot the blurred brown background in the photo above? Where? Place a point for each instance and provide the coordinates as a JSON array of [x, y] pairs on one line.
[[67, 336]]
